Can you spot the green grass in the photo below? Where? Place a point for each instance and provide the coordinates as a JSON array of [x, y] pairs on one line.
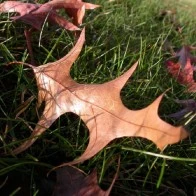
[[117, 35]]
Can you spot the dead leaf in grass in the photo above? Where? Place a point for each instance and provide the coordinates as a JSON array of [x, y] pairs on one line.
[[183, 69], [36, 14], [98, 105]]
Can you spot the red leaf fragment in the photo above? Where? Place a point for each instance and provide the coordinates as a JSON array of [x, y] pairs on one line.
[[183, 69], [100, 108], [183, 75]]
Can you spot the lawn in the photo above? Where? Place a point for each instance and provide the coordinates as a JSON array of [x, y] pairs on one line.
[[118, 34]]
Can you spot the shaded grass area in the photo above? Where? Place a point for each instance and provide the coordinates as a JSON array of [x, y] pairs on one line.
[[117, 35]]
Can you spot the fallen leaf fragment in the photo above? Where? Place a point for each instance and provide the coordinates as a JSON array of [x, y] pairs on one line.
[[36, 19], [73, 182], [98, 105], [36, 14], [183, 69], [189, 108], [74, 8]]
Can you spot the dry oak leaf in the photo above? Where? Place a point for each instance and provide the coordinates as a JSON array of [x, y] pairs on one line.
[[74, 8], [36, 14], [98, 105], [77, 10], [73, 182], [183, 69], [27, 15]]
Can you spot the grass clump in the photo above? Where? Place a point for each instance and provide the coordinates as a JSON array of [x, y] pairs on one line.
[[117, 35]]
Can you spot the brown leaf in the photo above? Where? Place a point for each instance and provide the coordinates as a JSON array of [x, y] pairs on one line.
[[17, 6], [98, 105], [36, 14], [74, 8], [73, 182], [24, 10]]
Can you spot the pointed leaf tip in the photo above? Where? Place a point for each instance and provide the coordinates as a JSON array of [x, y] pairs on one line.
[[121, 80]]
